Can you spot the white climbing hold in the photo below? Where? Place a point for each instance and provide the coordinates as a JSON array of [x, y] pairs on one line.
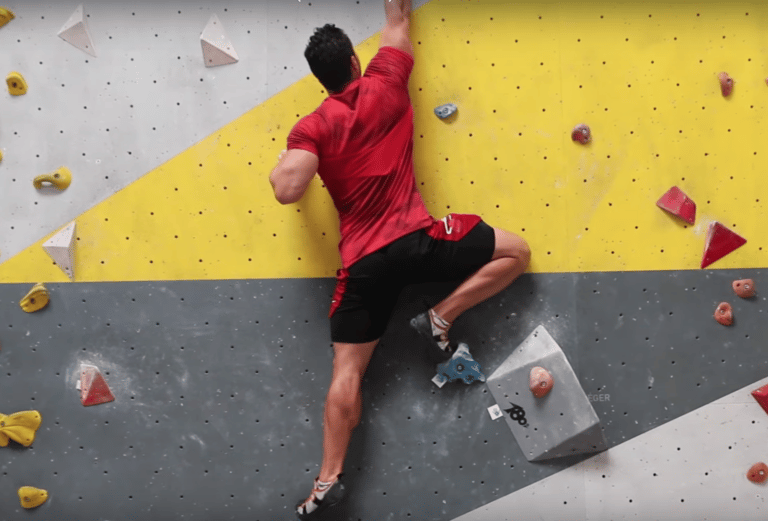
[[217, 47], [75, 31], [61, 248]]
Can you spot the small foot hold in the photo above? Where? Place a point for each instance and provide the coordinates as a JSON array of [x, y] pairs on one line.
[[744, 288], [724, 314], [582, 134], [17, 86], [446, 111], [758, 473], [726, 84]]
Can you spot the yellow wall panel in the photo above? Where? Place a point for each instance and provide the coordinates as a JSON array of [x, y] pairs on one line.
[[643, 76]]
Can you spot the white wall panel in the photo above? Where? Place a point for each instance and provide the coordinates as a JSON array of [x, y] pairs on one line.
[[693, 467], [147, 96]]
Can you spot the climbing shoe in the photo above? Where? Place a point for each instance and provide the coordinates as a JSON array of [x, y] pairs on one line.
[[323, 497], [440, 349]]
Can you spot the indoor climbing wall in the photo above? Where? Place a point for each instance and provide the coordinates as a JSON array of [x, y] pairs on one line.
[[203, 302]]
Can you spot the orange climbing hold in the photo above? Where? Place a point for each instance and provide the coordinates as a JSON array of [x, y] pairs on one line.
[[678, 204], [758, 473], [726, 84], [720, 242], [540, 382], [744, 288], [724, 314]]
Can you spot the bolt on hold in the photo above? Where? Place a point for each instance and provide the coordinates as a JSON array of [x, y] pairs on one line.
[[60, 179], [446, 111], [17, 86], [32, 497], [758, 473], [726, 84], [744, 288], [6, 15], [36, 299], [582, 134], [724, 314]]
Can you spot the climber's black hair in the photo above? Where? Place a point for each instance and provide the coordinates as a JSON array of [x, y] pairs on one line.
[[328, 52]]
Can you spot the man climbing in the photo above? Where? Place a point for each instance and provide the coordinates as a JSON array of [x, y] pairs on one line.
[[360, 142]]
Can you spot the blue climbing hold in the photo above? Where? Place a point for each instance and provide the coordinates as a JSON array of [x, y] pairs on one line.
[[446, 111], [461, 366]]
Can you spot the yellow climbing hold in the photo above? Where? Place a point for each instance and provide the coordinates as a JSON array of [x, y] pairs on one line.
[[19, 427], [32, 497], [16, 84], [36, 299], [6, 15], [61, 179]]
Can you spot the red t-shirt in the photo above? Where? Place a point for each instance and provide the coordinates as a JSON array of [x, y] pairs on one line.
[[364, 139]]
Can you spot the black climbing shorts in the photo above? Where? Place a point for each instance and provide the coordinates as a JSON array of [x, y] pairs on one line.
[[452, 249]]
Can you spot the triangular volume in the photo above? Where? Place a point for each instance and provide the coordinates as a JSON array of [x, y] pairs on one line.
[[93, 388], [720, 242], [761, 395], [61, 248], [562, 423], [217, 47], [75, 31], [678, 204]]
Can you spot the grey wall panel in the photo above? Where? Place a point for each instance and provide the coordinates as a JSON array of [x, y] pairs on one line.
[[220, 386], [144, 99]]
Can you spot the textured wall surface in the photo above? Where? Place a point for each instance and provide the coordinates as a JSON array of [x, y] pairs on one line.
[[219, 388], [643, 76], [144, 99], [204, 301]]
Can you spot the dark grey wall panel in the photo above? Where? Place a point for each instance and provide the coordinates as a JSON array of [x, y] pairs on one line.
[[220, 387]]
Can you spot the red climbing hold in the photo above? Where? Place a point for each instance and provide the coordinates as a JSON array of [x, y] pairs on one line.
[[540, 382], [720, 242], [724, 314], [761, 395], [758, 473], [679, 204], [726, 83], [582, 134], [744, 288], [93, 388]]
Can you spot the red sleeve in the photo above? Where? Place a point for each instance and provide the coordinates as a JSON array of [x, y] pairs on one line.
[[304, 136], [392, 66]]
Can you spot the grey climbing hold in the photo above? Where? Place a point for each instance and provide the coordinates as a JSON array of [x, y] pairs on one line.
[[461, 366], [446, 111], [563, 423]]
